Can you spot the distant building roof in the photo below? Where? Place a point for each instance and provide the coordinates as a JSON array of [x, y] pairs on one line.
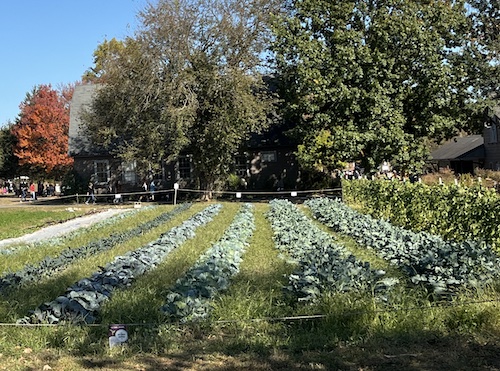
[[463, 148], [79, 142]]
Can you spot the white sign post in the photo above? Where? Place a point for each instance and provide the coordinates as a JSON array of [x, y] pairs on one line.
[[176, 187]]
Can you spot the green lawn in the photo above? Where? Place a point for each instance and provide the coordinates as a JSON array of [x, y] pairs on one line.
[[15, 222]]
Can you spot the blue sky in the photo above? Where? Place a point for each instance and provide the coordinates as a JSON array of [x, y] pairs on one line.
[[52, 42]]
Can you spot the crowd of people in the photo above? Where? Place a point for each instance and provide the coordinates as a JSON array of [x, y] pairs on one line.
[[28, 190], [149, 188], [7, 187]]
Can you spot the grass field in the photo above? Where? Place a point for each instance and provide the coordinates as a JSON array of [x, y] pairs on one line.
[[253, 325], [19, 221]]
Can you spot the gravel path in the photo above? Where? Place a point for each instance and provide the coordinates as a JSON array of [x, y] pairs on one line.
[[62, 228]]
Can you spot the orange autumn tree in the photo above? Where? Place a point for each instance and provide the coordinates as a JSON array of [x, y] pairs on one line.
[[41, 131]]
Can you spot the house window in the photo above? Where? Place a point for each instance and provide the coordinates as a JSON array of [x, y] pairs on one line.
[[268, 156], [184, 167], [101, 171], [241, 165], [129, 174]]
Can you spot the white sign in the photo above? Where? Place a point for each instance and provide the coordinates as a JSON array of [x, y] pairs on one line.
[[294, 194], [176, 185], [238, 194], [117, 335]]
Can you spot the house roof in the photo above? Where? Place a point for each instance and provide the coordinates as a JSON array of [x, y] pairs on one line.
[[463, 148], [79, 142]]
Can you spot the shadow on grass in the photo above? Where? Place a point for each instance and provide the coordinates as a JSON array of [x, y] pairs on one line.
[[413, 353], [339, 342], [19, 301]]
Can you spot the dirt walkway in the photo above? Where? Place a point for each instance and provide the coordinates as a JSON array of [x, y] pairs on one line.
[[62, 228]]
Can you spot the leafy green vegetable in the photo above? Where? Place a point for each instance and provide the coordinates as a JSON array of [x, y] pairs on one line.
[[323, 265], [83, 300], [442, 266], [190, 298], [49, 265]]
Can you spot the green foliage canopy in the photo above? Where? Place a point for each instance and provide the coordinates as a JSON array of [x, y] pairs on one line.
[[189, 81], [8, 162], [370, 81], [483, 51]]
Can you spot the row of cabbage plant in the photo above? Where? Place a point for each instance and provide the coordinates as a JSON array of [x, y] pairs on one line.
[[441, 266], [323, 264], [190, 298], [83, 300], [51, 265]]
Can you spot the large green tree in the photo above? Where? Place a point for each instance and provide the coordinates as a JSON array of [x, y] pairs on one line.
[[189, 80], [372, 80], [483, 51], [106, 53], [8, 162]]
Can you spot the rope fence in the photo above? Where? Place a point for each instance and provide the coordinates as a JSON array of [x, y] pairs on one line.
[[268, 319], [174, 195]]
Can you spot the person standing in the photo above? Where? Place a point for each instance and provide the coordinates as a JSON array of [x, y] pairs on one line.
[[33, 191], [152, 189], [40, 190], [90, 193], [24, 191], [145, 189]]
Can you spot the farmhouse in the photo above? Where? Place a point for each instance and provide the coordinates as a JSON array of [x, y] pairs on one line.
[[460, 154], [265, 163], [463, 154]]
